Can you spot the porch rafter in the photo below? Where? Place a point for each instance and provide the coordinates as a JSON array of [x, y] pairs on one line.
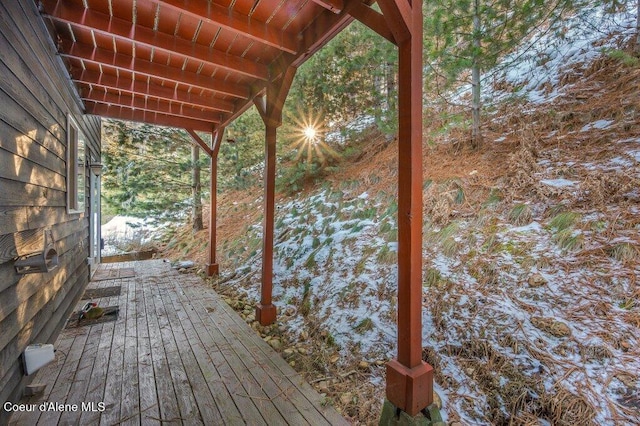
[[121, 62], [121, 112], [133, 86], [146, 103], [138, 34], [238, 23]]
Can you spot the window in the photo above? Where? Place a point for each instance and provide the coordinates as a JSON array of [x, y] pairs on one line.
[[76, 148]]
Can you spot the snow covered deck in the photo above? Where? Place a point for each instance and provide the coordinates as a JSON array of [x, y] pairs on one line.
[[176, 353]]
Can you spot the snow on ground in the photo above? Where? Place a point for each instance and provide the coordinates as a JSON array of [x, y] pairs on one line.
[[126, 233], [599, 124], [553, 313], [536, 67], [558, 183], [526, 318], [556, 324], [326, 256], [356, 126]]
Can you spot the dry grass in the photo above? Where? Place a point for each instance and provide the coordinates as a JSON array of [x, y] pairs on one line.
[[521, 214], [567, 409], [486, 189], [600, 188], [343, 382], [512, 396]]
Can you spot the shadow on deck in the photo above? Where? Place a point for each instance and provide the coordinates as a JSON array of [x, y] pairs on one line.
[[176, 353]]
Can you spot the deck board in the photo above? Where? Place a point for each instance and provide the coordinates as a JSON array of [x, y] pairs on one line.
[[258, 366], [308, 402], [146, 375], [235, 373], [167, 399], [98, 378], [67, 375], [177, 354], [130, 412], [114, 375]]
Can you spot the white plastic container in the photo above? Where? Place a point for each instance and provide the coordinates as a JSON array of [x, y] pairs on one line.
[[37, 356]]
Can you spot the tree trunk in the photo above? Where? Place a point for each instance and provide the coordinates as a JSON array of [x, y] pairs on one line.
[[236, 159], [197, 189], [476, 135], [390, 74], [638, 28]]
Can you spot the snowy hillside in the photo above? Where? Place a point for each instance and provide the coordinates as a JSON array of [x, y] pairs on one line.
[[125, 233], [536, 68], [531, 250]]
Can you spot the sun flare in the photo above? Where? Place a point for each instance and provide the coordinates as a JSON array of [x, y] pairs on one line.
[[310, 132], [308, 138]]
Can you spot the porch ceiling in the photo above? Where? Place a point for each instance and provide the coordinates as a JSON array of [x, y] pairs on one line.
[[196, 64]]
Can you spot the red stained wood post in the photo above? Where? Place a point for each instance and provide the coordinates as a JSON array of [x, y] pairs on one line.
[[409, 379], [270, 109], [266, 311], [212, 266], [212, 263]]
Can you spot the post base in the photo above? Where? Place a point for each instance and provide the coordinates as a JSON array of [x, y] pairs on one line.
[[410, 389], [393, 416], [266, 314], [213, 269]]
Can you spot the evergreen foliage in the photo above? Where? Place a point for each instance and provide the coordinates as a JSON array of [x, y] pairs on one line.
[[463, 38], [148, 169], [242, 152], [355, 74]]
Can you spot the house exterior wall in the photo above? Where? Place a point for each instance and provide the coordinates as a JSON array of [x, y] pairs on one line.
[[36, 100]]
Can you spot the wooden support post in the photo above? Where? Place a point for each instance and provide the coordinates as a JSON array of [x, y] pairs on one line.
[[212, 263], [409, 379], [266, 311], [271, 113], [212, 266]]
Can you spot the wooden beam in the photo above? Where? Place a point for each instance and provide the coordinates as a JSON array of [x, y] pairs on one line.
[[213, 267], [398, 15], [128, 85], [318, 33], [200, 142], [218, 134], [260, 102], [409, 379], [147, 104], [373, 19], [142, 116], [90, 20], [231, 20], [275, 97], [323, 29], [121, 62], [334, 6], [243, 107], [266, 312]]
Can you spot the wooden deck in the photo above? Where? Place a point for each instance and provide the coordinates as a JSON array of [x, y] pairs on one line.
[[176, 354]]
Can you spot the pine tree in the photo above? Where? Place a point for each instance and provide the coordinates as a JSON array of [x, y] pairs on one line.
[[148, 169], [354, 75], [242, 152], [196, 210], [464, 38]]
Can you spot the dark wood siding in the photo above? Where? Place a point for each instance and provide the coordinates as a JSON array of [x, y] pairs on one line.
[[35, 99]]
